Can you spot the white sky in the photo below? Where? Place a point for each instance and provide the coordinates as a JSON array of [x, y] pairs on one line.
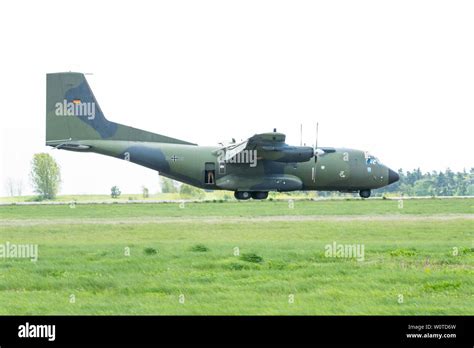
[[392, 77]]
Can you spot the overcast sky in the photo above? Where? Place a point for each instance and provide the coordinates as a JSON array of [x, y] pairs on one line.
[[395, 78]]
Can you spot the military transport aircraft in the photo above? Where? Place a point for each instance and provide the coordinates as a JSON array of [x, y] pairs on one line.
[[251, 168]]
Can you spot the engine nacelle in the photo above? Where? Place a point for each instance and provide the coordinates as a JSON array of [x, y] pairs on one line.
[[288, 154]]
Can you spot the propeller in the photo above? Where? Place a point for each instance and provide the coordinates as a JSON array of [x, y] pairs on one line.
[[318, 152]]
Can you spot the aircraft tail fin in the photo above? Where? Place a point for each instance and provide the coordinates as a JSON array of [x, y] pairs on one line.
[[72, 113]]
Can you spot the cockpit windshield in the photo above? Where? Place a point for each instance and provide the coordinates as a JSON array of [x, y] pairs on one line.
[[371, 159]]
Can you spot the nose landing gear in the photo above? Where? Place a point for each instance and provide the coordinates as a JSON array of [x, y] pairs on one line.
[[364, 193]]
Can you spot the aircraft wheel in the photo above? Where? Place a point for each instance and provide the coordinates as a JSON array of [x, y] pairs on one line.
[[242, 195], [259, 195], [364, 193]]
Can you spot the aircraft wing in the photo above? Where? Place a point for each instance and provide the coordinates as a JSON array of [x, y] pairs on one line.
[[232, 150], [272, 147]]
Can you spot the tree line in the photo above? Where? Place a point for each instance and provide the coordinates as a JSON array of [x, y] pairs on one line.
[[442, 183]]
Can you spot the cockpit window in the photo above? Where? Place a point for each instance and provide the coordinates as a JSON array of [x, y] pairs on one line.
[[371, 159]]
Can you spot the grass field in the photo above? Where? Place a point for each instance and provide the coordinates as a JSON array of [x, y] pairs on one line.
[[418, 258]]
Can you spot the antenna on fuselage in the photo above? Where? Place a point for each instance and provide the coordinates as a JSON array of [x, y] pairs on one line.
[[317, 129], [301, 134]]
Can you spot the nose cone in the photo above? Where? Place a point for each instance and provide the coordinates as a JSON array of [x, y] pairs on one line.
[[392, 176]]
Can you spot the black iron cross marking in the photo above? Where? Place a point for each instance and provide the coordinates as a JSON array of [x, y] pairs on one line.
[[174, 158]]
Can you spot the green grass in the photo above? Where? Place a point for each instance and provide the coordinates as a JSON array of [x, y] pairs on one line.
[[239, 266], [244, 209]]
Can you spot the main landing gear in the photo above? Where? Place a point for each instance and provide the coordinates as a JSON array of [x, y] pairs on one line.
[[364, 193], [244, 195]]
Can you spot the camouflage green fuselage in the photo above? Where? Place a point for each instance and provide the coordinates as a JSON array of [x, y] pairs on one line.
[[342, 170]]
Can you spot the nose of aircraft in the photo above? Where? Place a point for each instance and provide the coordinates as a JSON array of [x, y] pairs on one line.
[[392, 176]]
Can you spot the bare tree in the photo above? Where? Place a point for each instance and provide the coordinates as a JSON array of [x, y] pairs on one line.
[[10, 186], [19, 187]]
